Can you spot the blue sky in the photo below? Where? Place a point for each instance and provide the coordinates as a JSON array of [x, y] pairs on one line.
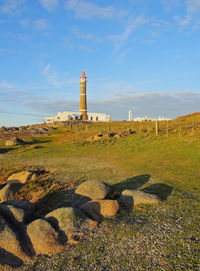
[[142, 55]]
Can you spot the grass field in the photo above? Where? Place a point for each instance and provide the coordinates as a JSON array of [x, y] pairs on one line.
[[165, 237]]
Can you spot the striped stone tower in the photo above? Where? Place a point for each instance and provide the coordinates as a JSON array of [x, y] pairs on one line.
[[83, 100]]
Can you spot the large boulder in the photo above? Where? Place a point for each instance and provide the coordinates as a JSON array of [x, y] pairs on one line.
[[22, 176], [14, 141], [67, 218], [99, 209], [44, 238], [9, 190], [9, 241], [93, 189], [131, 198]]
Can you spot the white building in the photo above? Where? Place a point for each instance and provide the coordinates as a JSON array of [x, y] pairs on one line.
[[141, 119], [130, 115], [163, 119], [65, 116]]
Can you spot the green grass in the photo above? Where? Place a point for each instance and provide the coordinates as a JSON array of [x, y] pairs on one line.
[[150, 238]]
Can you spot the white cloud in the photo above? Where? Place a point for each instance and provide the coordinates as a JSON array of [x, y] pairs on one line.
[[193, 6], [12, 6], [197, 25], [87, 36], [84, 9], [169, 4], [85, 48], [55, 79], [133, 23], [152, 104], [41, 24], [6, 86], [24, 22], [50, 76], [49, 4], [149, 41], [183, 22]]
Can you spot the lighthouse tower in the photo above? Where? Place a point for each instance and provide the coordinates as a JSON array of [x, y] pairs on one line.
[[83, 100]]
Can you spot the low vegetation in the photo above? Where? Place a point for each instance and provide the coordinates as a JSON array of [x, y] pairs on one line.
[[161, 237]]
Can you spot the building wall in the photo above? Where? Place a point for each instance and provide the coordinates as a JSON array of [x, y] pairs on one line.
[[65, 116]]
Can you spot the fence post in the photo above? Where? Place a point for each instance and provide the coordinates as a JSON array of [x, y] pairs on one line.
[[167, 128], [157, 127]]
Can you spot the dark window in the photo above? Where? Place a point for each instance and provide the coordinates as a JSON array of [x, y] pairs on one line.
[[91, 118], [97, 119]]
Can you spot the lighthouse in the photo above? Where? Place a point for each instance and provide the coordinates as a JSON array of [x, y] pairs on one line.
[[83, 100]]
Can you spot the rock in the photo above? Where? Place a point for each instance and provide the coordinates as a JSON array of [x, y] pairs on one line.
[[99, 209], [14, 141], [9, 241], [67, 219], [8, 191], [44, 238], [95, 137], [93, 189], [16, 211], [22, 177], [130, 198], [117, 136]]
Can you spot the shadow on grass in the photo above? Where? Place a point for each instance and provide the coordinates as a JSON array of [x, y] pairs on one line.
[[37, 141], [7, 258], [131, 183], [52, 201], [5, 150], [159, 189]]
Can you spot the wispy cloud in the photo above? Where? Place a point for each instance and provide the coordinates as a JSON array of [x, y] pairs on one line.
[[12, 7], [55, 79], [170, 104], [6, 85], [193, 6], [149, 41], [50, 75], [87, 36], [152, 104], [85, 48], [72, 45], [183, 22], [85, 9], [169, 4], [120, 39], [41, 24], [49, 4], [197, 25], [25, 22]]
